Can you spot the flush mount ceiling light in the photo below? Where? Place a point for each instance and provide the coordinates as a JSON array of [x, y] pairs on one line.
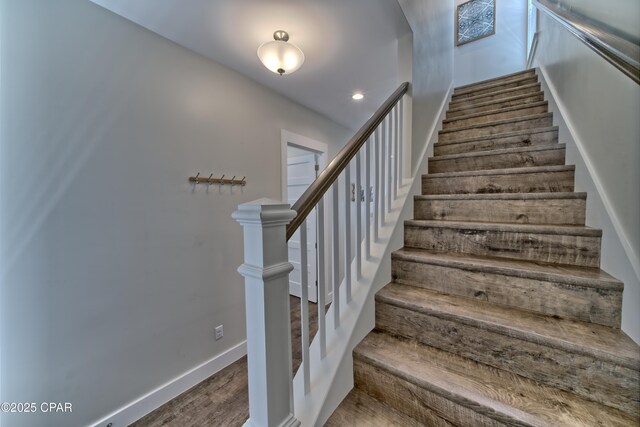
[[357, 96], [280, 56]]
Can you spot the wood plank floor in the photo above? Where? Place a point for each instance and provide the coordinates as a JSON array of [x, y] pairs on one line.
[[222, 399]]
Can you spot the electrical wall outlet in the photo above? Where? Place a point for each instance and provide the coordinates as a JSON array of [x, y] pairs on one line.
[[219, 332]]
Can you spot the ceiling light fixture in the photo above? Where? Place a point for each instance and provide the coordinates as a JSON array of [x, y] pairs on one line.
[[279, 56], [357, 96]]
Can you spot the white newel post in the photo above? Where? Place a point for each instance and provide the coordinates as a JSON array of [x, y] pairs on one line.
[[266, 271]]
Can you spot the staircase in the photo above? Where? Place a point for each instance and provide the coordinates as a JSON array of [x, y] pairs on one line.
[[498, 313]]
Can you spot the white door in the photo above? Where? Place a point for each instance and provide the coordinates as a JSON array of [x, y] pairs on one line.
[[301, 172]]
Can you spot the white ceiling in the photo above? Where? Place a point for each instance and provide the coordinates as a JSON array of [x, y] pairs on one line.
[[349, 45]]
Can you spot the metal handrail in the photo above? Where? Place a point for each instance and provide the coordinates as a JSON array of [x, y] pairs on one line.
[[620, 51], [310, 198]]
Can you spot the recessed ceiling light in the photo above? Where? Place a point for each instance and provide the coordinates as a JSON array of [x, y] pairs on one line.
[[357, 96]]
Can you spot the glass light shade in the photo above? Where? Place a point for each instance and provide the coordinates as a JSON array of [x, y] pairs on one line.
[[280, 57]]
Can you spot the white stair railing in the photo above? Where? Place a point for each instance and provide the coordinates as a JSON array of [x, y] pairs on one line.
[[268, 224]]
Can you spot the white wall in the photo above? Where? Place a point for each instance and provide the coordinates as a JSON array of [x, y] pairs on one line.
[[504, 52], [601, 107], [115, 269], [432, 73]]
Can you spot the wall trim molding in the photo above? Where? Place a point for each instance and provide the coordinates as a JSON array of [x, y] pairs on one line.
[[610, 210], [144, 405]]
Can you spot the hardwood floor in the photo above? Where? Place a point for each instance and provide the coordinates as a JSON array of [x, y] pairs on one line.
[[222, 399]]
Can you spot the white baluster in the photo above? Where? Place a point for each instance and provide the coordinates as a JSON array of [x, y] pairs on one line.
[[383, 175], [336, 258], [358, 218], [322, 326], [394, 138], [376, 180], [389, 163], [401, 113], [266, 280], [347, 232], [367, 197], [304, 306]]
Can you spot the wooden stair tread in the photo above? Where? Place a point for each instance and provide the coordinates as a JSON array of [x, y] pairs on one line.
[[508, 171], [499, 151], [601, 342], [501, 196], [460, 93], [579, 276], [494, 79], [569, 230], [455, 102], [499, 135], [500, 395], [359, 409], [496, 111], [495, 123], [494, 101]]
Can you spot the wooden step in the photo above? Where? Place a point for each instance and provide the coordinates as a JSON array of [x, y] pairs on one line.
[[527, 98], [496, 127], [499, 114], [423, 382], [538, 179], [522, 138], [359, 409], [494, 87], [519, 157], [507, 93], [517, 208], [588, 295], [554, 244], [501, 79], [595, 362]]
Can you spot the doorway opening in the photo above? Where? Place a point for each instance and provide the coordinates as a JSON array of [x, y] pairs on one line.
[[302, 161]]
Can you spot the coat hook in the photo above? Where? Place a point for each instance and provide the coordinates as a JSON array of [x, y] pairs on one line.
[[243, 183], [197, 179], [233, 180], [222, 179], [209, 179]]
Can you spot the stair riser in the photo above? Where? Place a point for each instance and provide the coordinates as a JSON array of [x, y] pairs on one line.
[[552, 157], [422, 404], [501, 81], [490, 117], [527, 99], [527, 139], [465, 102], [549, 248], [583, 303], [536, 182], [588, 377], [536, 211], [496, 88], [496, 129]]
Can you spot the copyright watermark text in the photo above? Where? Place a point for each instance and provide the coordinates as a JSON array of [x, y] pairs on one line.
[[33, 407]]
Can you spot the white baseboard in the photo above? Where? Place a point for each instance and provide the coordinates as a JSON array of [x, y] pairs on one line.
[[163, 394]]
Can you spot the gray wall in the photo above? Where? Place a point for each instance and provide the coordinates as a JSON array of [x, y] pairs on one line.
[[116, 270], [432, 74], [601, 108], [504, 52]]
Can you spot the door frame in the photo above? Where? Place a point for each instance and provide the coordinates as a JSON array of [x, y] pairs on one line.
[[287, 139]]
